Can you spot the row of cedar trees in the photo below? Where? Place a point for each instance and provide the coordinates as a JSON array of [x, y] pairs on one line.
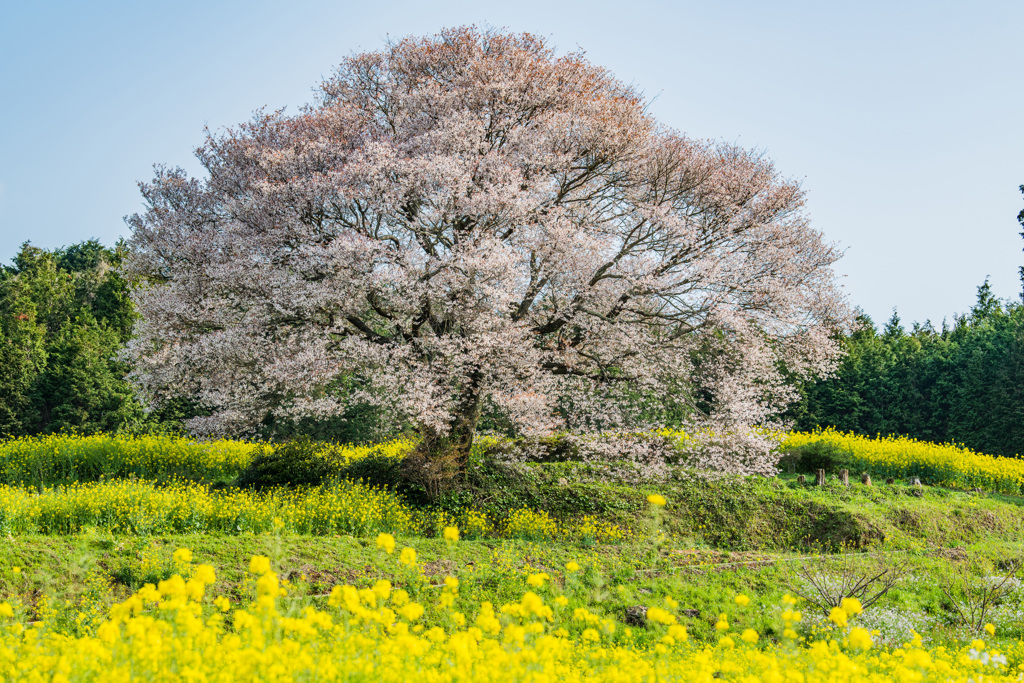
[[65, 313]]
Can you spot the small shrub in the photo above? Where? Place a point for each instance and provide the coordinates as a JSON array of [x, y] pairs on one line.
[[589, 530], [973, 598], [816, 455], [474, 524], [145, 563], [435, 474], [296, 463], [375, 469], [826, 581]]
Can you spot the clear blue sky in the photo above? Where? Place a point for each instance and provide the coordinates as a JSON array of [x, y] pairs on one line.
[[904, 120]]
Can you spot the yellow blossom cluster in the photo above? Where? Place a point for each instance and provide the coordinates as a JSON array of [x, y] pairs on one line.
[[538, 525], [69, 458], [140, 507]]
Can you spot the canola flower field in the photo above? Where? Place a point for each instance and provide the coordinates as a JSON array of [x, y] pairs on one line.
[[412, 630], [53, 459], [413, 625], [69, 458], [351, 508], [950, 465]]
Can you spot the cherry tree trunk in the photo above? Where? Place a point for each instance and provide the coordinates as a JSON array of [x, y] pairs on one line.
[[451, 449]]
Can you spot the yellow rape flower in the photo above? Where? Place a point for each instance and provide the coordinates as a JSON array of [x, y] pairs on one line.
[[451, 533], [660, 616], [407, 557], [537, 580], [656, 500], [851, 606], [386, 542], [412, 611], [382, 589], [859, 637], [267, 585], [678, 633], [259, 564], [204, 573], [108, 632]]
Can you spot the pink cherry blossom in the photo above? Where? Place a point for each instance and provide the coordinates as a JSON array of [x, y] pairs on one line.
[[469, 218]]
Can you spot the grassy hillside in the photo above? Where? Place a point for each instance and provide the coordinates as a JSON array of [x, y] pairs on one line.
[[739, 547], [712, 540]]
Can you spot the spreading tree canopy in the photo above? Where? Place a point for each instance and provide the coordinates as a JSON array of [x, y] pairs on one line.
[[469, 221]]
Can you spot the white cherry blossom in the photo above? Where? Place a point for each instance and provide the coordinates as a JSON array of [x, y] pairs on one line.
[[470, 218]]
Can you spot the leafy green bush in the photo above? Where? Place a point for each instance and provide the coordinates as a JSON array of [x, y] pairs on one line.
[[816, 455], [302, 462], [376, 469]]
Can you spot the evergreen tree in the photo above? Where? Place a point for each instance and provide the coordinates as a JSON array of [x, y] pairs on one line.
[[64, 315]]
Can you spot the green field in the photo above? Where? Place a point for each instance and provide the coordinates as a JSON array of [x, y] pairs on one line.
[[74, 551]]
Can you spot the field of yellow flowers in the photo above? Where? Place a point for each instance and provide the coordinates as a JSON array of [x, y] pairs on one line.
[[951, 465], [351, 508], [456, 593], [71, 458], [68, 458], [415, 630]]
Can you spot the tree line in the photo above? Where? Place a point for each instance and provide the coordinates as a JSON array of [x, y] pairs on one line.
[[962, 383]]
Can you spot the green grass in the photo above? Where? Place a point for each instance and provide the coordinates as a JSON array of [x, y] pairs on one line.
[[714, 540], [69, 569], [769, 514]]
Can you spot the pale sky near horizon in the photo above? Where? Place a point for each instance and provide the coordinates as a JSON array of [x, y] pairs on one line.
[[903, 120]]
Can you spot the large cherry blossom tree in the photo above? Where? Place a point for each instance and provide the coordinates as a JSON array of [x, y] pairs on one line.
[[465, 220]]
